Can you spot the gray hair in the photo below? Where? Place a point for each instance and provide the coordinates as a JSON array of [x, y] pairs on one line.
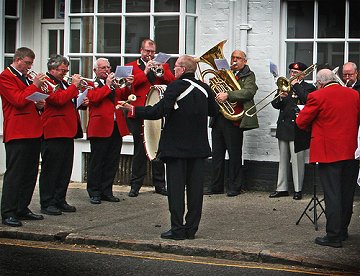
[[56, 60], [96, 65], [324, 76], [23, 52]]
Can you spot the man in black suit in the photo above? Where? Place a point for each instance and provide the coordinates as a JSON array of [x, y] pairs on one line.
[[288, 104], [184, 144], [350, 75]]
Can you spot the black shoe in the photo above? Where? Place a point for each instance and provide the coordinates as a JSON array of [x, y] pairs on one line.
[[190, 236], [95, 199], [65, 207], [161, 191], [170, 235], [133, 193], [11, 221], [210, 192], [325, 241], [51, 210], [29, 216], [279, 194], [297, 196], [233, 193], [110, 198]]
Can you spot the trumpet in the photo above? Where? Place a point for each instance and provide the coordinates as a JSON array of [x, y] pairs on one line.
[[338, 79], [84, 82], [46, 85], [131, 98], [157, 69], [284, 86]]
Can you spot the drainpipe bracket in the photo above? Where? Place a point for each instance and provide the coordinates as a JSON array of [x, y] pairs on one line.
[[246, 27]]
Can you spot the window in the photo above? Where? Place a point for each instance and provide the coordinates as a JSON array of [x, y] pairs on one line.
[[325, 32], [114, 29], [10, 30]]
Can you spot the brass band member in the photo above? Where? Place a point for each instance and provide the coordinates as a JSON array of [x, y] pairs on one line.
[[288, 103], [61, 123], [22, 134], [144, 77]]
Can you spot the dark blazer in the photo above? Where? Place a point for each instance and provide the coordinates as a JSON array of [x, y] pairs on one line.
[[333, 115], [288, 109], [102, 109], [185, 133], [60, 118], [141, 84], [21, 118]]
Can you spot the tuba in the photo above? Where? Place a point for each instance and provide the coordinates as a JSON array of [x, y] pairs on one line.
[[222, 81]]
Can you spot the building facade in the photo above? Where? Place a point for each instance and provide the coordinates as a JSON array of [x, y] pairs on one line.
[[278, 31]]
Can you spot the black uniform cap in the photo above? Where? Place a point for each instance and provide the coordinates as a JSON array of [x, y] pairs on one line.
[[298, 66]]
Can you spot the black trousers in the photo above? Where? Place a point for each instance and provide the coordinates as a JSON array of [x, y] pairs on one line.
[[139, 162], [57, 160], [185, 174], [22, 165], [339, 181], [103, 163], [226, 136]]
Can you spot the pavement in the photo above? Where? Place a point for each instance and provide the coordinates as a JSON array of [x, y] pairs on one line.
[[249, 227]]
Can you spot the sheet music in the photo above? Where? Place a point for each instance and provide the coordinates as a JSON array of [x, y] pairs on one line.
[[123, 71], [81, 97], [37, 96]]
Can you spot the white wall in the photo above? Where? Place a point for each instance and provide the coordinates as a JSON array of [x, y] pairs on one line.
[[262, 46]]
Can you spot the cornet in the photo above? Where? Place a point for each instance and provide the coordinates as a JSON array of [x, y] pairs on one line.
[[119, 82], [45, 86], [157, 69], [84, 82]]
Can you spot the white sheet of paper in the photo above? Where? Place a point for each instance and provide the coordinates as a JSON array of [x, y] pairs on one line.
[[37, 96], [273, 69], [123, 71], [222, 64], [81, 97], [161, 58]]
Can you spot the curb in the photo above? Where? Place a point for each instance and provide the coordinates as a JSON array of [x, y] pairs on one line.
[[171, 247]]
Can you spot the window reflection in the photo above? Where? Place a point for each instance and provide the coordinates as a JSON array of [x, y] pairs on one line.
[[300, 52], [331, 53], [167, 5], [109, 35], [354, 8], [300, 21], [167, 34], [81, 6], [331, 19], [10, 35], [113, 6], [354, 53], [11, 7], [191, 6], [135, 33], [81, 34], [137, 6], [190, 35]]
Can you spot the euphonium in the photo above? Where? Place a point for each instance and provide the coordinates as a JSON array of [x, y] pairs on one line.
[[45, 87], [223, 81]]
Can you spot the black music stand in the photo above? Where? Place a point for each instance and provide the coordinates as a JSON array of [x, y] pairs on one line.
[[314, 202]]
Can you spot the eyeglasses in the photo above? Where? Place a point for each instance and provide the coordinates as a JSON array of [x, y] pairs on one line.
[[64, 71], [104, 67], [28, 62], [148, 51], [348, 75]]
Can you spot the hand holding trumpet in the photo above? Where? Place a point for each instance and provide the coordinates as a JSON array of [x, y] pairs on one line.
[[39, 80]]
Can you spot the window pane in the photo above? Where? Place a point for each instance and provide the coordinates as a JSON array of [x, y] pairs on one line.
[[167, 6], [61, 9], [167, 34], [300, 23], [190, 35], [11, 7], [8, 61], [48, 9], [354, 52], [10, 35], [331, 19], [81, 6], [136, 32], [354, 30], [191, 6], [82, 66], [129, 59], [114, 61], [109, 6], [109, 34], [81, 27], [299, 52], [331, 53], [137, 6], [53, 42], [61, 42]]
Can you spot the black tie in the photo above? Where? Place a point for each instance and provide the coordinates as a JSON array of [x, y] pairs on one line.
[[150, 76]]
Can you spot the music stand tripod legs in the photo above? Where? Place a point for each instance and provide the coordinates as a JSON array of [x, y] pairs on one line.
[[314, 202]]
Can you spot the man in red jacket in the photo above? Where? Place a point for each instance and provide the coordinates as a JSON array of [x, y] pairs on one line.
[[61, 123], [22, 133], [144, 78], [105, 130], [332, 114]]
